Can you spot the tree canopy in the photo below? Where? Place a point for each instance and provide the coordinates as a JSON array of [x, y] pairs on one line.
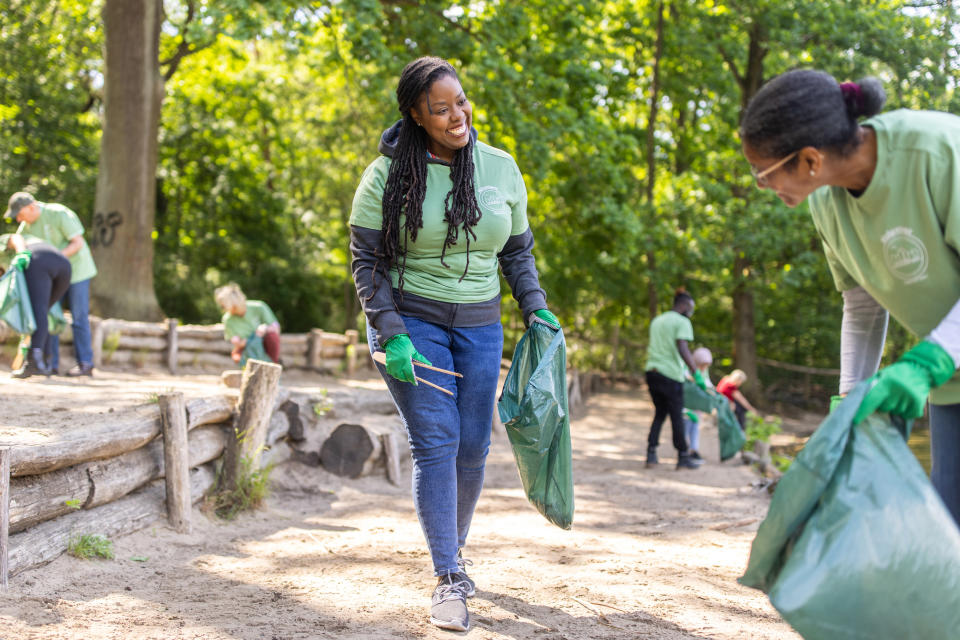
[[622, 115]]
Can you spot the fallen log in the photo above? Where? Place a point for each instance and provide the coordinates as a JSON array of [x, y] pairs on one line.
[[38, 498], [133, 328], [210, 410], [201, 331], [355, 450], [4, 517], [40, 450], [138, 358], [47, 541], [200, 359]]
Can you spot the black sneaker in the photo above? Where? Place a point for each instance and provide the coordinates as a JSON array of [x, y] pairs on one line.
[[696, 456], [652, 460], [448, 609], [462, 564], [685, 461]]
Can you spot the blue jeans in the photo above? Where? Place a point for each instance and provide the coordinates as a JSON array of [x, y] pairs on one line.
[[945, 454], [449, 436], [78, 299], [692, 430]]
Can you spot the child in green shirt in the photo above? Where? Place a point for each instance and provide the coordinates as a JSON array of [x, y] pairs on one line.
[[249, 325]]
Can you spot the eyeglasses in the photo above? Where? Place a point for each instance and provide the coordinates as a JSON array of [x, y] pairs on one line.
[[761, 176]]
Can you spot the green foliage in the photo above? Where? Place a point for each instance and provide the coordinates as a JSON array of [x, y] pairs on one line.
[[272, 110], [760, 428], [252, 488], [89, 545], [73, 504], [324, 405]]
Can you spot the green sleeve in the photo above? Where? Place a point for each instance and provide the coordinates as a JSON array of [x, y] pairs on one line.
[[266, 314], [685, 329], [841, 279], [367, 208], [229, 326], [943, 178], [519, 207], [69, 223]]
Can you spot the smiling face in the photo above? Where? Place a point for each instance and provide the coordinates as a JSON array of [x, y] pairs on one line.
[[446, 115], [794, 180]]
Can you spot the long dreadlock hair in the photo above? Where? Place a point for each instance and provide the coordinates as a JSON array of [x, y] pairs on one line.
[[407, 179]]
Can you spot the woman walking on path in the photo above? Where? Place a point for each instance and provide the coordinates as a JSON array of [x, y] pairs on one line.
[[885, 198], [432, 219]]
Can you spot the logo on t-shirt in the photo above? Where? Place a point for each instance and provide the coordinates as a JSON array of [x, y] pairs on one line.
[[491, 198], [905, 255]]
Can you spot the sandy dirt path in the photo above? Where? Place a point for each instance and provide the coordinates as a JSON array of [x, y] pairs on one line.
[[335, 558]]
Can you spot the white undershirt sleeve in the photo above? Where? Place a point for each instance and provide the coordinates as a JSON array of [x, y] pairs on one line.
[[947, 334], [862, 334]]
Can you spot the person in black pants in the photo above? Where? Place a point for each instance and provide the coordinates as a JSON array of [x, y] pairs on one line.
[[669, 351], [47, 273]]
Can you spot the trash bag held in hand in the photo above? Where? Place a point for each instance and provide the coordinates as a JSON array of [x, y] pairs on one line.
[[56, 320], [731, 435], [254, 350], [15, 307], [533, 409], [857, 544]]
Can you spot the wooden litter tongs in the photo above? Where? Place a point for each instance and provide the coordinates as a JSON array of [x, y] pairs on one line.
[[381, 357]]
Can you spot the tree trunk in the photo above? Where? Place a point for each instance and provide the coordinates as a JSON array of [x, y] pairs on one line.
[[126, 185], [652, 156]]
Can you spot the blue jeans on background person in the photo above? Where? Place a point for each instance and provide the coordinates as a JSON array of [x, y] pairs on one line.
[[449, 436], [945, 455], [78, 300], [692, 429]]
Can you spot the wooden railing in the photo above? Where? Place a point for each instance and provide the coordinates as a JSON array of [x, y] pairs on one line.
[[173, 346]]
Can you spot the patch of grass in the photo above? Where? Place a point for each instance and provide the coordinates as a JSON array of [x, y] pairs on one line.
[[73, 504], [781, 462], [253, 486], [90, 545], [760, 428], [323, 406], [110, 343], [154, 396]]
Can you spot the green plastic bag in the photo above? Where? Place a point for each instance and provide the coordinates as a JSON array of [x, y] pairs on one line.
[[15, 307], [857, 544], [56, 320], [253, 350], [533, 409], [731, 435]]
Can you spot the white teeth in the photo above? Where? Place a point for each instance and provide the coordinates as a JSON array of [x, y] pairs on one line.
[[458, 131]]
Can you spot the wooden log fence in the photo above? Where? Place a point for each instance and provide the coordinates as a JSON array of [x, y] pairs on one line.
[[172, 346], [118, 475]]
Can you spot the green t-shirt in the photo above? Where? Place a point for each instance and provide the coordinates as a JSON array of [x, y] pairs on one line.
[[258, 313], [502, 197], [57, 225], [900, 239], [662, 354]]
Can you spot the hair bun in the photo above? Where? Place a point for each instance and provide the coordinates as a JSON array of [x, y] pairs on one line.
[[863, 98]]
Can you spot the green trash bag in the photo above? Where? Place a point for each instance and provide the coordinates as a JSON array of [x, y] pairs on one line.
[[533, 409], [15, 307], [732, 437], [253, 350], [55, 319], [857, 544]]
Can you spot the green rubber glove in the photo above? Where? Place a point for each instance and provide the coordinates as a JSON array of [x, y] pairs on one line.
[[544, 316], [691, 416], [835, 402], [400, 353], [903, 387], [21, 261], [698, 378]]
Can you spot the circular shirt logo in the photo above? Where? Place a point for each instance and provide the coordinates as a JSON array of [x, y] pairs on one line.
[[491, 198], [905, 255]]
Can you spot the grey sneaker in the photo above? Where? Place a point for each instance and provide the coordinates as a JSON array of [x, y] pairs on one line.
[[685, 461], [652, 459], [462, 564], [448, 609]]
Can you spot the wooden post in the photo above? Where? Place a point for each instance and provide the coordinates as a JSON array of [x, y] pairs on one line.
[[258, 391], [176, 460], [172, 345], [96, 341], [351, 350], [314, 348], [4, 516]]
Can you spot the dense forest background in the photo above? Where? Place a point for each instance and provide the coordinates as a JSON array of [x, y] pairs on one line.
[[622, 115]]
